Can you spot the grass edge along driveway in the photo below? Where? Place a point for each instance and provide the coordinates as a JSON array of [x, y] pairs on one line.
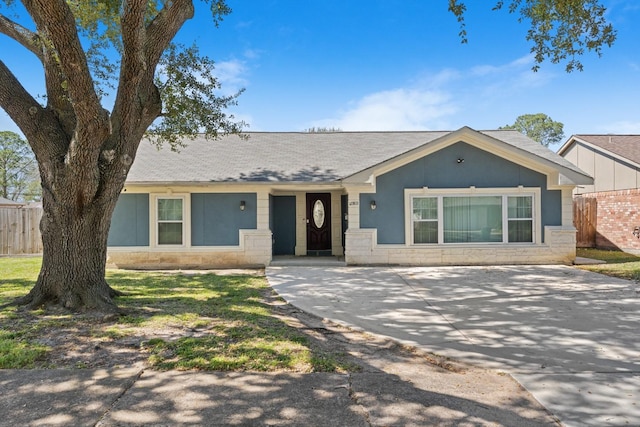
[[173, 321]]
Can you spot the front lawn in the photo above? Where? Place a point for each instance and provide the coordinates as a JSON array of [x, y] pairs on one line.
[[618, 263], [173, 321]]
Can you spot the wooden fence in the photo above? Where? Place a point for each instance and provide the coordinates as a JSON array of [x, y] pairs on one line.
[[585, 211], [20, 231]]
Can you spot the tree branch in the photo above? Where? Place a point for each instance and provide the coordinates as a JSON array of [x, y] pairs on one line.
[[30, 117], [136, 106], [22, 35], [54, 78], [164, 27], [90, 117]]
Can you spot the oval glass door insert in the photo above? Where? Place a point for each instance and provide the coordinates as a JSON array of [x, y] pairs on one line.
[[318, 214]]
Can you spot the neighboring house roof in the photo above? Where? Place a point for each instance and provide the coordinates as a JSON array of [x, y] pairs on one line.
[[9, 203], [310, 157], [621, 146]]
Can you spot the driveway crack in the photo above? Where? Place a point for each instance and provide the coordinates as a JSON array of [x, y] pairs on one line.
[[417, 294], [127, 386], [354, 398]]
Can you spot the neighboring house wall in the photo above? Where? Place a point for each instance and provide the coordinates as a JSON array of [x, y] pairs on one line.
[[617, 217], [614, 195], [610, 172]]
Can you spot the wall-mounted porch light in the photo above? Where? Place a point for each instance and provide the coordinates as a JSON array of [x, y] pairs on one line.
[[243, 205], [373, 205]]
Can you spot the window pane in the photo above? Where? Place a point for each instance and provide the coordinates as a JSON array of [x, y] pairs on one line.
[[425, 208], [170, 233], [472, 219], [520, 207], [170, 209], [520, 231], [425, 232]]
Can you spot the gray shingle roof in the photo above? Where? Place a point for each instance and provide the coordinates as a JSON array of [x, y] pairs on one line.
[[627, 146], [296, 156]]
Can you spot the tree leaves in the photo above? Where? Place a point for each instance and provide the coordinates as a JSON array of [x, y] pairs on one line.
[[560, 30], [188, 88], [18, 171]]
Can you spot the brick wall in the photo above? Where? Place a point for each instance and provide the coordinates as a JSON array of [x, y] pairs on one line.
[[618, 213]]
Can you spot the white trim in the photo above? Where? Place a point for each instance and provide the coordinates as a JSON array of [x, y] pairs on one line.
[[534, 192]]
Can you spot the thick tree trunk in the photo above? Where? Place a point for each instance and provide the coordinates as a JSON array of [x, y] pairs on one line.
[[74, 258]]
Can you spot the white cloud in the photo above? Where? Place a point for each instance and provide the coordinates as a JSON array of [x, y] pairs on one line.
[[231, 74], [519, 63], [398, 109], [447, 99]]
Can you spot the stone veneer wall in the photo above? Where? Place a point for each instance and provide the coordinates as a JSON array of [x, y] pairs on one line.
[[617, 215], [255, 250], [559, 248]]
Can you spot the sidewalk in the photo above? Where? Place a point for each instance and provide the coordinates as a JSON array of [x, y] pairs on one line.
[[399, 395]]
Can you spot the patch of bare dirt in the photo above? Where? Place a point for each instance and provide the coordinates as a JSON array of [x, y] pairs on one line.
[[95, 342]]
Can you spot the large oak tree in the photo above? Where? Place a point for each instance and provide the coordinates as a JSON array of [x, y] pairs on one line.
[[84, 152]]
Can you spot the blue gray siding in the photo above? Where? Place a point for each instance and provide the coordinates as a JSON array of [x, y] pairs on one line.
[[130, 221], [442, 170], [216, 218]]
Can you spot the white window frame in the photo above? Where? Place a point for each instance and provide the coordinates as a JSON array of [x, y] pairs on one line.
[[506, 218], [157, 221], [534, 192]]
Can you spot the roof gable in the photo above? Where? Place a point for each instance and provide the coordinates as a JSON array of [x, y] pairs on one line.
[[624, 147], [509, 144]]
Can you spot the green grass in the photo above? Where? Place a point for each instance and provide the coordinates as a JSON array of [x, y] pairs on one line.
[[208, 322], [618, 264]]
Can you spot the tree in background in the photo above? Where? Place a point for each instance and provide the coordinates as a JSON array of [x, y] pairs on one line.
[[539, 127], [323, 130], [18, 170], [85, 152]]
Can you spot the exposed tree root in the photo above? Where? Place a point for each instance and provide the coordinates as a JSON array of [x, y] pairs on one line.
[[101, 303]]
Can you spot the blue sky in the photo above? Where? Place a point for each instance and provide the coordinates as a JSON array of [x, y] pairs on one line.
[[399, 65]]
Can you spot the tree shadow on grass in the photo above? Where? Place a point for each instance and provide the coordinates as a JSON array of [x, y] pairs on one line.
[[372, 381]]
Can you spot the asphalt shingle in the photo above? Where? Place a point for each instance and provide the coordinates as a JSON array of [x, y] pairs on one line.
[[627, 146], [296, 156]]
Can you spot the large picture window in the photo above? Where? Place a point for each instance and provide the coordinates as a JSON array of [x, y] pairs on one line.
[[170, 217], [472, 219], [463, 218]]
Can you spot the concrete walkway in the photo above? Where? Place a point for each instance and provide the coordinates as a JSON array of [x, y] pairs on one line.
[[568, 336]]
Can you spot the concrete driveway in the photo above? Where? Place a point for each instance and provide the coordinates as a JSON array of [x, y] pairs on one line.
[[572, 338]]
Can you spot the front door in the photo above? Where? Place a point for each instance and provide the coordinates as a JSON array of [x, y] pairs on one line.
[[318, 224]]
